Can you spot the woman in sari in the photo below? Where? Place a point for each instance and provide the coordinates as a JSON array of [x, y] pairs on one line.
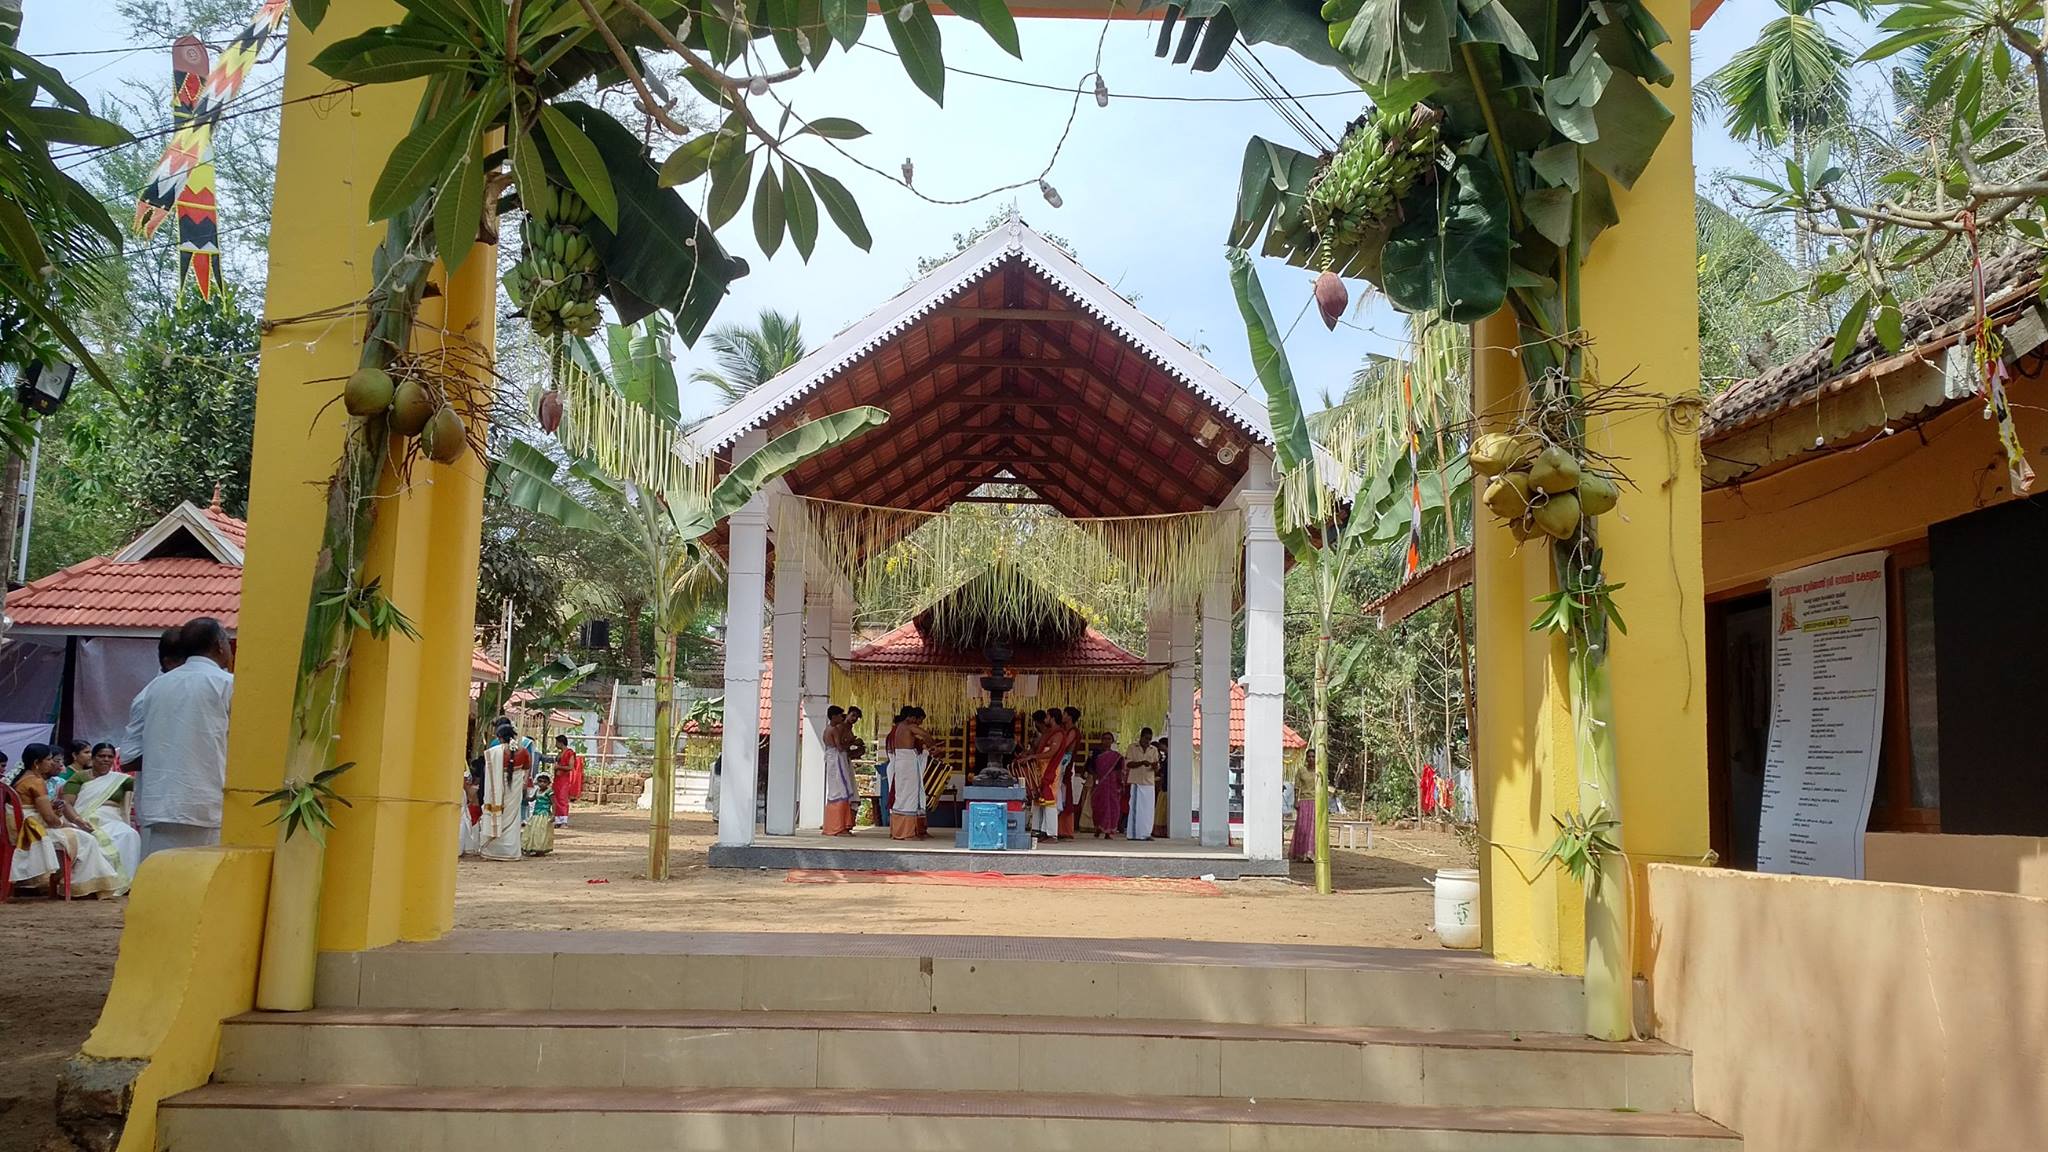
[[568, 780], [1073, 777], [1107, 801], [838, 773], [505, 768], [47, 835], [102, 802]]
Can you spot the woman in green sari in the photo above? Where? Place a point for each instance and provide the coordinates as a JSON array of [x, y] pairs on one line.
[[102, 800]]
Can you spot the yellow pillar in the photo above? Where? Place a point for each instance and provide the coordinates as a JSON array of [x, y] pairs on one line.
[[390, 871], [1640, 300]]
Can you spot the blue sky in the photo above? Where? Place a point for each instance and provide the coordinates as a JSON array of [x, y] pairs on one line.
[[1147, 185]]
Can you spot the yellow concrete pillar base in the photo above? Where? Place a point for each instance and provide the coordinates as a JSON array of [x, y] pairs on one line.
[[390, 862], [194, 923], [1640, 306]]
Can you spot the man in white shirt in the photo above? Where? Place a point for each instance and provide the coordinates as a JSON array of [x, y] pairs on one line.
[[178, 740]]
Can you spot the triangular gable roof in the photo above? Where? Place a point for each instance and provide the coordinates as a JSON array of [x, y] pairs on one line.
[[222, 536], [1012, 241], [909, 647]]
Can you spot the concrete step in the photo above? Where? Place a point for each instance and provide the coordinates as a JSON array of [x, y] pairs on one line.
[[989, 1053], [333, 1118], [1099, 979]]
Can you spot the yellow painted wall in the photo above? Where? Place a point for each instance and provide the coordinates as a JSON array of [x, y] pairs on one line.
[[1884, 492], [1641, 308], [189, 943], [391, 861], [1847, 1016]]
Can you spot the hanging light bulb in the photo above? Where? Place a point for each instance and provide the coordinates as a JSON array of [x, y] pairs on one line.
[[909, 171], [1101, 91], [1051, 194]]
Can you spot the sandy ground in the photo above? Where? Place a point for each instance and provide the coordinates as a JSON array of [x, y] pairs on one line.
[[56, 959]]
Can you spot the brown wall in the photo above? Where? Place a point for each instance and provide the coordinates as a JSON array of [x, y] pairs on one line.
[[2017, 864], [1882, 493], [1850, 1016]]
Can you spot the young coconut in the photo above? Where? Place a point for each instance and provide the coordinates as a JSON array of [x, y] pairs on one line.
[[1508, 496], [411, 407], [1597, 494], [444, 438], [368, 392], [1554, 471], [1497, 452], [1524, 528], [1558, 517]]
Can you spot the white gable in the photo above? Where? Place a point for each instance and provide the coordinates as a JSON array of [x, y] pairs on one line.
[[188, 518]]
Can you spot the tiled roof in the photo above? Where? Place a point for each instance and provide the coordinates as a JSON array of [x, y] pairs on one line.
[[907, 647], [100, 594], [233, 529], [1289, 738], [482, 667], [1937, 319]]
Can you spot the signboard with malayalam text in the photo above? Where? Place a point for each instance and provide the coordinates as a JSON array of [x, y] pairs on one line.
[[1827, 716]]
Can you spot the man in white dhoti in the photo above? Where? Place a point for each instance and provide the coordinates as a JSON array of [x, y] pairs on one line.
[[1141, 770], [906, 777], [838, 773], [505, 769]]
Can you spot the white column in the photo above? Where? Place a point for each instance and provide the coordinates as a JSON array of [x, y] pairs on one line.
[[1215, 805], [810, 806], [1180, 725], [786, 693], [1265, 663], [746, 576]]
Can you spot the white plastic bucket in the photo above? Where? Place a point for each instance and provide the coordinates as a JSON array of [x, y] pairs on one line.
[[1457, 907]]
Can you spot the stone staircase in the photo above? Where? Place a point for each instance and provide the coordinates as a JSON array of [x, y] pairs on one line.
[[505, 1042]]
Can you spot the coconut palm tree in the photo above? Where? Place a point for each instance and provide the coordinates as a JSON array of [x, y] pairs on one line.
[[1786, 89], [750, 355]]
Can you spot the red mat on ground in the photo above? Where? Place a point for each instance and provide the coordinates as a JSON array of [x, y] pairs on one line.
[[999, 880]]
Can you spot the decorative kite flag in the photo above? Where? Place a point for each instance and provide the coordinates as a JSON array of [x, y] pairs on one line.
[[182, 185], [198, 218]]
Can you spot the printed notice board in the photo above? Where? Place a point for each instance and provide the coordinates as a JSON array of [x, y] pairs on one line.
[[1827, 714]]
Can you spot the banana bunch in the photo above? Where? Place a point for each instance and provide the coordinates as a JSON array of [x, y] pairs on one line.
[[557, 277], [1381, 157]]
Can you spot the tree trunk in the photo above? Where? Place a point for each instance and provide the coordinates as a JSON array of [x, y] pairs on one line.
[[10, 517], [1319, 738], [663, 792], [629, 655]]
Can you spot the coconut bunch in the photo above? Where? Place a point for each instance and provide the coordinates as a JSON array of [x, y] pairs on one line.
[[1379, 160], [1540, 488], [417, 411], [558, 275]]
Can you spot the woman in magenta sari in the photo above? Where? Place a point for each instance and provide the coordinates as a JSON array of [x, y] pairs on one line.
[[1107, 769]]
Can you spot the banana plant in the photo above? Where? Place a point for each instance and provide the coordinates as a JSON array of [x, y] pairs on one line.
[[664, 532]]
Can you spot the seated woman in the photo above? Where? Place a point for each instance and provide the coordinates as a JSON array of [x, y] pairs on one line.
[[100, 797], [47, 835]]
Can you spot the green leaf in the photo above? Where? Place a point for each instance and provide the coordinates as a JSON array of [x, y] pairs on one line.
[[400, 52], [529, 170], [803, 210], [64, 126], [769, 218], [310, 13], [917, 44], [1284, 411], [692, 517], [1386, 40], [1559, 164], [524, 477], [581, 164], [1550, 211], [47, 78], [1632, 123], [459, 207], [994, 18], [1452, 258], [1851, 328], [729, 180], [842, 207], [691, 159], [1889, 321], [845, 19], [19, 239], [834, 128], [423, 157]]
